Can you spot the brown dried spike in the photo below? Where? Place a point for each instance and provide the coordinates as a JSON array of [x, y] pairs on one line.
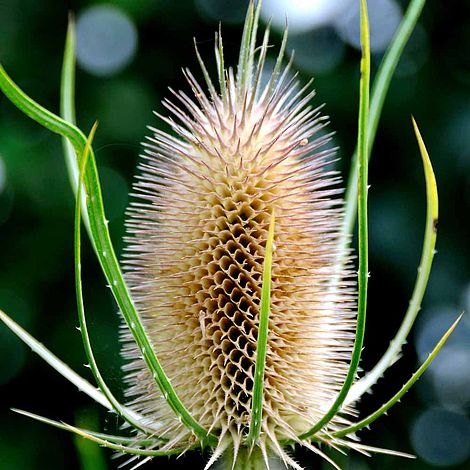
[[194, 264]]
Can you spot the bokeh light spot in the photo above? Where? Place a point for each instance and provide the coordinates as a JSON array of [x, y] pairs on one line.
[[106, 40], [415, 54], [302, 15], [451, 376], [466, 303], [450, 370], [431, 326], [441, 437], [384, 18]]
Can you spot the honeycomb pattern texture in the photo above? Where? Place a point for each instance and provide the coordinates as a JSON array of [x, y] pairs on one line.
[[197, 235]]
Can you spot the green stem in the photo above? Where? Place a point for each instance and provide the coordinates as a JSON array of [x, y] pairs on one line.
[[362, 232], [246, 460], [379, 93], [104, 248]]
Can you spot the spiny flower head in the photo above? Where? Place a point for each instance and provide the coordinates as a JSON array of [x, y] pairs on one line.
[[245, 338], [199, 228]]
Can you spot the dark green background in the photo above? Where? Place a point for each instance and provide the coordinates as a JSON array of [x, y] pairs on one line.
[[36, 207]]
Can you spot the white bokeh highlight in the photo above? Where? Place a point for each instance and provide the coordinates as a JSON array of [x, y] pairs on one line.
[[106, 40], [384, 18], [450, 371], [441, 437], [303, 15]]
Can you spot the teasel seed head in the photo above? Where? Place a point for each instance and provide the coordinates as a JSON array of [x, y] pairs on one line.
[[197, 241]]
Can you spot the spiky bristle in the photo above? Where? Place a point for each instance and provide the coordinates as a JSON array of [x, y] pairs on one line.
[[195, 257]]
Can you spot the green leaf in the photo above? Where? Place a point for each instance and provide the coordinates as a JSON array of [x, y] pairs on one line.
[[379, 92], [247, 48], [363, 230], [103, 246], [130, 417], [205, 73], [55, 362], [67, 112], [243, 59], [278, 64], [261, 346], [385, 407], [365, 449], [127, 449], [108, 437], [219, 55], [40, 114], [260, 65], [427, 256], [112, 442]]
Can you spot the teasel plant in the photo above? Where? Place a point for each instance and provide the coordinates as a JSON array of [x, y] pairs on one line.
[[243, 323]]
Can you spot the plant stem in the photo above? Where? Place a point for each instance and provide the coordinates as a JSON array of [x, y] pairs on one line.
[[246, 460]]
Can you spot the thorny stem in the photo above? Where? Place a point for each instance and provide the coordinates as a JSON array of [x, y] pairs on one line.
[[246, 460]]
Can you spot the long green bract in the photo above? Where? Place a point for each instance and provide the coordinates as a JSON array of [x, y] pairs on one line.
[[379, 92], [243, 71], [128, 449], [121, 410], [363, 230], [396, 398], [60, 366], [427, 256], [261, 347], [121, 444], [67, 109], [221, 65], [109, 437], [103, 246]]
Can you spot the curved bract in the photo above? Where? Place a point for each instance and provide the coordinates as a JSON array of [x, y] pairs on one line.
[[241, 330]]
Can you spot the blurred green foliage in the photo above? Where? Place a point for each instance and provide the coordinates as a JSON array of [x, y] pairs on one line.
[[36, 204]]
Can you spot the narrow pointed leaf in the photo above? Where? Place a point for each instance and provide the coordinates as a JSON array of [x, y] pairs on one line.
[[379, 92], [67, 112], [278, 64], [113, 442], [258, 386], [363, 230], [205, 73], [126, 449], [220, 63], [427, 255], [251, 52], [385, 407], [55, 362], [103, 246], [108, 437], [40, 114], [246, 39], [378, 450], [243, 71], [129, 416]]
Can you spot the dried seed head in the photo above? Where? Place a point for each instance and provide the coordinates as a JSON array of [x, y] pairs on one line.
[[195, 256]]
